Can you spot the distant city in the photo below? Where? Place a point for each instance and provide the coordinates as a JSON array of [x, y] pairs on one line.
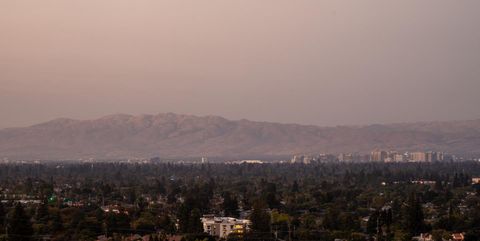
[[380, 156]]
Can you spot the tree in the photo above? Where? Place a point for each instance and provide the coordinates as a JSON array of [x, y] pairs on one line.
[[230, 205], [166, 224], [195, 223], [400, 235], [117, 223], [145, 224], [331, 220], [189, 220], [260, 222], [41, 219], [414, 222], [19, 226], [295, 187], [270, 190], [41, 214], [183, 218], [280, 224], [2, 217], [56, 223], [440, 234], [372, 223]]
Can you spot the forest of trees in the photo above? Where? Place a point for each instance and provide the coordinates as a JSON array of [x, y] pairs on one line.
[[318, 201]]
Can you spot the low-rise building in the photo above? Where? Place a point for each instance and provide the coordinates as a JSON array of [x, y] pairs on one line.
[[476, 180], [114, 209], [424, 182], [423, 237], [399, 158], [458, 237], [223, 226]]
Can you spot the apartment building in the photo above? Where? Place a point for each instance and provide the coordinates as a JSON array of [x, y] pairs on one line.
[[223, 226]]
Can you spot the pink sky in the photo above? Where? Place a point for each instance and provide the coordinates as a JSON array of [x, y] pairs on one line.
[[312, 62]]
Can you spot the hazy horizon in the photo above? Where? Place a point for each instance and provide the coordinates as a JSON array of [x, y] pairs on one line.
[[323, 63], [233, 119]]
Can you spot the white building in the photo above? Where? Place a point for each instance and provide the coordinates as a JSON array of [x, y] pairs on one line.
[[399, 158], [423, 237], [223, 226], [475, 180], [251, 161]]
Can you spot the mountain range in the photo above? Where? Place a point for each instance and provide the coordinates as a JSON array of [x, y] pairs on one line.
[[173, 136]]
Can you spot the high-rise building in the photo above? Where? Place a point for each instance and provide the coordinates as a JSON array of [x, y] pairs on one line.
[[440, 156], [417, 156], [430, 156], [305, 159], [297, 159], [378, 156]]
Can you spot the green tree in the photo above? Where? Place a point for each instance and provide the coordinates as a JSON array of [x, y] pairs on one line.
[[145, 224], [19, 227], [2, 218], [189, 219], [230, 205], [260, 222], [56, 223], [414, 218], [41, 213], [165, 223], [117, 223], [372, 223], [295, 187], [195, 223], [331, 220]]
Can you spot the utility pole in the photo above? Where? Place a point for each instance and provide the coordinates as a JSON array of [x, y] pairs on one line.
[[289, 232], [378, 228], [106, 228], [293, 230], [6, 225]]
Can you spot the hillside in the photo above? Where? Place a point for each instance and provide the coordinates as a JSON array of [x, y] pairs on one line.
[[172, 135]]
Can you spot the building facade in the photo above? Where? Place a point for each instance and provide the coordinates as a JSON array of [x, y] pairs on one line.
[[418, 156], [223, 226], [378, 156]]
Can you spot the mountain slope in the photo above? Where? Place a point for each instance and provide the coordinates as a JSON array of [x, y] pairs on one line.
[[172, 135]]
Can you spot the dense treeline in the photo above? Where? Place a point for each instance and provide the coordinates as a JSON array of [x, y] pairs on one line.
[[320, 201]]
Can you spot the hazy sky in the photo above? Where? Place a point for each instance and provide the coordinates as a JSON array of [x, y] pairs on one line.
[[306, 61]]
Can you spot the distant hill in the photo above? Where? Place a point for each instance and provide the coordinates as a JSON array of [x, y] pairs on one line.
[[172, 135]]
